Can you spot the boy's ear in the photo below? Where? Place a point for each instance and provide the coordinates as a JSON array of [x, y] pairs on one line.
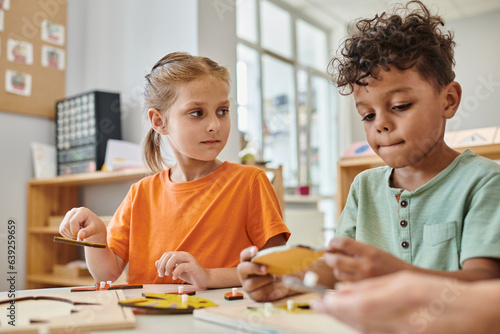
[[453, 95], [157, 121]]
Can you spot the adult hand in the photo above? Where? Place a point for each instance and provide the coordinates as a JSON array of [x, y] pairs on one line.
[[352, 260], [407, 303], [256, 281]]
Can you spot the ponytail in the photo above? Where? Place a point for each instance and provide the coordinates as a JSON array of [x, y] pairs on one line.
[[152, 151]]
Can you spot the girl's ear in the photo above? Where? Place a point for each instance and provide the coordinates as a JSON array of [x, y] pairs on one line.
[[158, 121], [453, 95]]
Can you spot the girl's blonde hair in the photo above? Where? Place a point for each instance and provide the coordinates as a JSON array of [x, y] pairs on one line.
[[161, 90]]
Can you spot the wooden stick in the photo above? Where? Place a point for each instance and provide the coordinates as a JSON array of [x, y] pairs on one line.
[[79, 242]]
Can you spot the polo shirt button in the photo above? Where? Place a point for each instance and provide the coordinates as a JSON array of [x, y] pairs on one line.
[[403, 223], [404, 204], [404, 244]]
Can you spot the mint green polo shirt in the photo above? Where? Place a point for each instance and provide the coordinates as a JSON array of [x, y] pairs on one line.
[[452, 218]]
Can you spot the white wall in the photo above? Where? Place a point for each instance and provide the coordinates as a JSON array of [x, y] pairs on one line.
[[112, 44], [16, 135], [477, 70]]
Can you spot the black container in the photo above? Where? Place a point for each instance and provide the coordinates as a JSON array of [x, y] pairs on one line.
[[84, 123]]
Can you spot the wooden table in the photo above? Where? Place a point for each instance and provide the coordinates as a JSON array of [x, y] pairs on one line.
[[227, 319]]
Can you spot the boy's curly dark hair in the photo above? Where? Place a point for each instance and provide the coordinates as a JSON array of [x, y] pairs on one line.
[[400, 40]]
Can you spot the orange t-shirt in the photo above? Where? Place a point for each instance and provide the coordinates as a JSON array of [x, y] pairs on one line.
[[213, 218]]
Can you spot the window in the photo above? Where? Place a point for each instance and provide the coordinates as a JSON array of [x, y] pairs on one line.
[[248, 96], [275, 25], [279, 125], [312, 46], [286, 104], [246, 23]]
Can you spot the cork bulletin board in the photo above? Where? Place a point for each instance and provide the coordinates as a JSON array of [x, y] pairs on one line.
[[32, 56]]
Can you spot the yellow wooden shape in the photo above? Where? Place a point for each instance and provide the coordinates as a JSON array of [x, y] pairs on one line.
[[168, 303], [288, 259]]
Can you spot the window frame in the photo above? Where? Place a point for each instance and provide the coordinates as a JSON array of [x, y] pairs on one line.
[[297, 67]]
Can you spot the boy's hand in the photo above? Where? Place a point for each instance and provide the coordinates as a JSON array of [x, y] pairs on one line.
[[352, 260], [83, 224], [255, 280], [184, 266]]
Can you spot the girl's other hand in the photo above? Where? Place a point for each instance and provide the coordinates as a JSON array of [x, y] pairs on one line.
[[83, 224], [184, 266]]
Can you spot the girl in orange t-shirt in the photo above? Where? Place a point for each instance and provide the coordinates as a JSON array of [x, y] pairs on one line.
[[187, 223]]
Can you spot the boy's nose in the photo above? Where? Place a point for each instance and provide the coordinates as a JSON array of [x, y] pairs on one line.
[[383, 123]]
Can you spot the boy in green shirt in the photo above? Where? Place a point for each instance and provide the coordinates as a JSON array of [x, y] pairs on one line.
[[431, 210]]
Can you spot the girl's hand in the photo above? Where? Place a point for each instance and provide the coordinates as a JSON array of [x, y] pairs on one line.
[[83, 224], [255, 280], [352, 260], [184, 266]]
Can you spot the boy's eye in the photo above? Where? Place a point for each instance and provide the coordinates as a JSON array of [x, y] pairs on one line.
[[196, 113], [368, 118], [402, 107], [223, 112]]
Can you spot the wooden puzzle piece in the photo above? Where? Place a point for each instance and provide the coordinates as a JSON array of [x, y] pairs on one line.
[[79, 242], [268, 309], [303, 286], [66, 312], [166, 303], [181, 291], [102, 286], [233, 295], [52, 298], [287, 259]]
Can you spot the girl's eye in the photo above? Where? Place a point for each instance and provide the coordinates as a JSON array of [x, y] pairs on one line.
[[368, 118], [402, 107], [196, 113], [223, 112]]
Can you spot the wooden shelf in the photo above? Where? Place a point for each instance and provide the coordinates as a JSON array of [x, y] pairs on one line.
[[53, 280], [360, 161], [92, 178], [52, 228], [52, 198], [44, 230], [348, 168]]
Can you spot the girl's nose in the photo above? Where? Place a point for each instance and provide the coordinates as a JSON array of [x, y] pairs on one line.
[[213, 124]]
